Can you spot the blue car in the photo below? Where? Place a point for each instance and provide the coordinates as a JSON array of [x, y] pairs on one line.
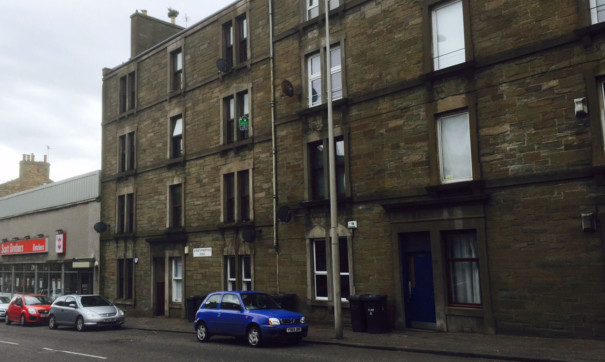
[[253, 315]]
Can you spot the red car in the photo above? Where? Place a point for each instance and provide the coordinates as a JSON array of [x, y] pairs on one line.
[[28, 308]]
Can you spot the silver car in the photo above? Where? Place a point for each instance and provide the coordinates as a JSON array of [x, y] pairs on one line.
[[83, 311], [4, 301]]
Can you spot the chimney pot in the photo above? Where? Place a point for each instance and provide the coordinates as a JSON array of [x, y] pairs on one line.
[[33, 157], [24, 157], [144, 12], [45, 158]]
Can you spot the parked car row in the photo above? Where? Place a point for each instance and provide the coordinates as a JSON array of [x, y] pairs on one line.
[[79, 311], [253, 315]]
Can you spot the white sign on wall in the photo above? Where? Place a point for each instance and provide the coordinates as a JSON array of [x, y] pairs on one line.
[[202, 252], [60, 243]]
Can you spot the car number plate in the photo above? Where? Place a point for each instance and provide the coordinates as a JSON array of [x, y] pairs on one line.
[[110, 320], [293, 329]]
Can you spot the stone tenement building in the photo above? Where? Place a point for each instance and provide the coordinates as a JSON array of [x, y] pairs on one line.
[[32, 174], [469, 152]]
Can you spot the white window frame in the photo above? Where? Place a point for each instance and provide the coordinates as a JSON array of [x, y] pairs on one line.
[[594, 13], [320, 272], [245, 280], [177, 279], [313, 77], [436, 55], [444, 178], [312, 5], [336, 70], [231, 279]]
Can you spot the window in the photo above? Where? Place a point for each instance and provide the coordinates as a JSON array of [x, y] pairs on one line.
[[236, 117], [318, 175], [462, 265], [125, 219], [244, 282], [176, 136], [313, 7], [228, 41], [127, 149], [231, 276], [177, 279], [316, 81], [455, 148], [176, 70], [229, 185], [601, 91], [320, 270], [231, 302], [597, 11], [236, 197], [176, 206], [246, 272], [242, 34], [235, 40], [125, 278], [448, 35], [243, 182], [127, 92]]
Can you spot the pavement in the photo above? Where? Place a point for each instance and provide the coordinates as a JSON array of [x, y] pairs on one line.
[[465, 345]]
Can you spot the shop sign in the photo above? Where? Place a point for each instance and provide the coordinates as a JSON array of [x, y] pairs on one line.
[[202, 252], [24, 247], [60, 243]]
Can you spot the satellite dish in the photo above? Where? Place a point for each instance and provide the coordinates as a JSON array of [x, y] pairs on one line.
[[101, 227], [287, 88], [284, 214], [223, 66], [248, 234]]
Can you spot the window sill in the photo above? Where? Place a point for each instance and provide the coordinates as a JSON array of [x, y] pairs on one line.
[[587, 33], [320, 18], [177, 161], [175, 93], [467, 69], [340, 103], [326, 303], [465, 311], [474, 187], [226, 147], [325, 202], [126, 174], [126, 302], [124, 235], [235, 225], [127, 113]]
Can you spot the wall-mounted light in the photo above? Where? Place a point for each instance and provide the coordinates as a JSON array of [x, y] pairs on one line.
[[40, 235], [4, 240], [15, 238], [580, 107], [60, 231], [26, 237]]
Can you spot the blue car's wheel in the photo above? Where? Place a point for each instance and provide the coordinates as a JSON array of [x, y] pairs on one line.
[[255, 339], [202, 332]]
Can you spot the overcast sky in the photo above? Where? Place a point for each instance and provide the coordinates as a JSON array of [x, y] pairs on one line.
[[52, 53]]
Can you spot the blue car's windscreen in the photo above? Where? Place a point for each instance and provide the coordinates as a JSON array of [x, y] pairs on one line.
[[254, 301]]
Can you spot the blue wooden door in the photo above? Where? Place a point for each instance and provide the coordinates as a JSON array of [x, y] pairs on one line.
[[418, 282]]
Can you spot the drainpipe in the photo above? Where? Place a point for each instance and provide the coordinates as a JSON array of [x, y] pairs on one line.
[[273, 151]]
